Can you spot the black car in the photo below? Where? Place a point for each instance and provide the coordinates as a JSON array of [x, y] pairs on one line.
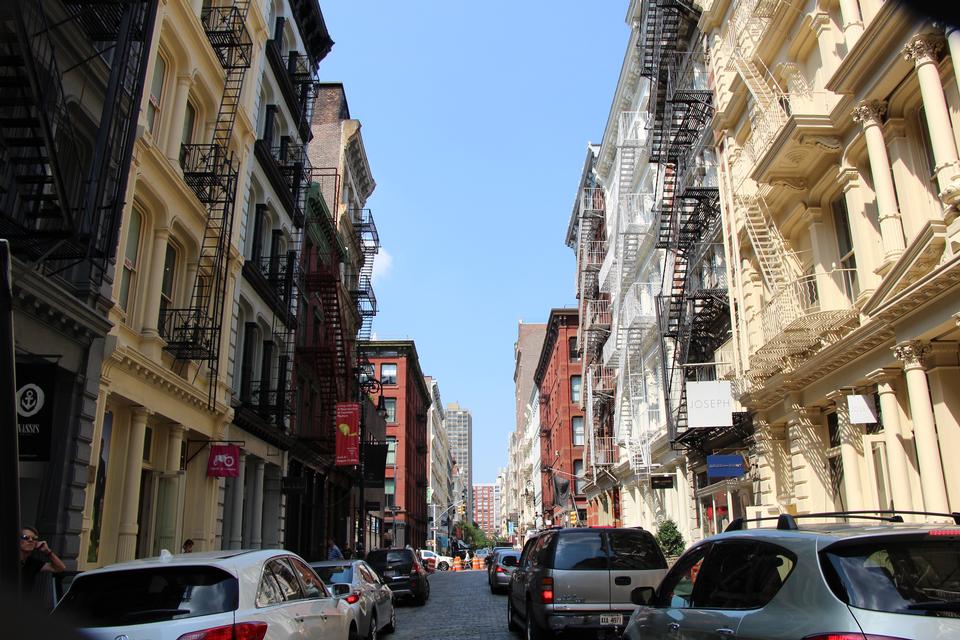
[[402, 571]]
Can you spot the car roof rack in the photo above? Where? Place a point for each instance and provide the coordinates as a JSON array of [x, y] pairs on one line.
[[788, 522]]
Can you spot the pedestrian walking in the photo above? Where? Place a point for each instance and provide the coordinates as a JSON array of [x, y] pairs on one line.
[[187, 546], [36, 557], [333, 551]]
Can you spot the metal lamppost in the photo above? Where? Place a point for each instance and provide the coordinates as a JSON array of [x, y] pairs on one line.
[[368, 385]]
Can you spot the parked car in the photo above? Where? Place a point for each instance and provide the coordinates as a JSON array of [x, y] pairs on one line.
[[428, 558], [444, 562], [402, 571], [580, 580], [503, 564], [435, 561], [488, 557], [268, 594], [838, 581], [370, 600]]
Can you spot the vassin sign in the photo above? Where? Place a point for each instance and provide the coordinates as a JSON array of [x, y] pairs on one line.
[[709, 404]]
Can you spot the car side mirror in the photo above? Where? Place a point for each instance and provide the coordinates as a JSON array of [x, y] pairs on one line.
[[341, 589], [642, 595]]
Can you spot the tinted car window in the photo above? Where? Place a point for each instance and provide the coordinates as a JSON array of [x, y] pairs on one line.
[[330, 575], [385, 557], [268, 593], [633, 549], [676, 590], [580, 551], [286, 580], [539, 554], [509, 559], [919, 577], [148, 595], [742, 575], [312, 587]]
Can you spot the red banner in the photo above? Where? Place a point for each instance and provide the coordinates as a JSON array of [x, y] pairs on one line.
[[348, 433], [224, 461]]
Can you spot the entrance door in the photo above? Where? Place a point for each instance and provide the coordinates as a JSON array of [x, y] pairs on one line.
[[171, 488], [145, 513]]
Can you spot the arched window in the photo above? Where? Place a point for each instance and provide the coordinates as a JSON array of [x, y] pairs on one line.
[[131, 256], [156, 94], [167, 288]]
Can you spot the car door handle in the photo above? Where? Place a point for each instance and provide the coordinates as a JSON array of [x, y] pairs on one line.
[[725, 632], [674, 626], [299, 619], [622, 580]]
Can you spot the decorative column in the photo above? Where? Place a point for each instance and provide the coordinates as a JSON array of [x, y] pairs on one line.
[[862, 232], [912, 353], [154, 283], [808, 450], [851, 451], [174, 439], [953, 42], [180, 98], [896, 453], [923, 50], [823, 246], [852, 21], [236, 505], [130, 502], [870, 114], [256, 530]]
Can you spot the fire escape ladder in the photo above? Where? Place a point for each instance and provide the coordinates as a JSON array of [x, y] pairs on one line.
[[193, 333], [363, 294], [767, 242]]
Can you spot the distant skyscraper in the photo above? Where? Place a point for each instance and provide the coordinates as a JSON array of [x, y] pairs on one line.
[[484, 508], [459, 423]]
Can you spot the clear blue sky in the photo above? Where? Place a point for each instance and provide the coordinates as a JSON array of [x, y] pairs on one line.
[[476, 117]]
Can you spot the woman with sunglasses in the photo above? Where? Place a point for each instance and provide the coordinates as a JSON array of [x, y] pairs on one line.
[[36, 556]]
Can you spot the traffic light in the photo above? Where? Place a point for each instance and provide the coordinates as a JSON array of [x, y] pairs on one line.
[[573, 517], [462, 509]]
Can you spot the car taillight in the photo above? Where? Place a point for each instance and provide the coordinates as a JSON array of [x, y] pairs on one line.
[[848, 636], [500, 570], [944, 532], [242, 631], [546, 591], [413, 575], [353, 598]]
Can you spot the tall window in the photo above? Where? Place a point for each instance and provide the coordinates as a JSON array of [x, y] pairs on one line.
[[848, 261], [578, 433], [572, 347], [388, 373], [390, 404], [389, 489], [391, 450], [575, 389], [166, 288], [130, 258], [578, 471], [156, 94], [189, 122]]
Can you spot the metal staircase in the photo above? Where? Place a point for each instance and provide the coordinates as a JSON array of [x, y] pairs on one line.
[[362, 289], [768, 244], [193, 333]]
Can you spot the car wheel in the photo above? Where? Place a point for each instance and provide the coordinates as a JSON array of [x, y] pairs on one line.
[[511, 619], [534, 631], [392, 625], [372, 634], [443, 566], [353, 634]]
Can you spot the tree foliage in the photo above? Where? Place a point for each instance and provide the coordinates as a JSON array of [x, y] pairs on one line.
[[668, 535], [474, 536]]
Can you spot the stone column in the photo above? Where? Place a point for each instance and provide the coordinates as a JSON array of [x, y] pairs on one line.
[[235, 540], [923, 50], [862, 232], [944, 377], [869, 114], [852, 22], [808, 450], [174, 439], [953, 42], [130, 502], [851, 451], [912, 353], [153, 279], [256, 514], [177, 115], [897, 459], [823, 245]]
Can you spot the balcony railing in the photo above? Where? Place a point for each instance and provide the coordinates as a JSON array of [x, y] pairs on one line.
[[604, 452], [594, 201], [598, 315], [636, 212], [639, 306], [592, 253], [604, 379], [633, 131], [809, 306]]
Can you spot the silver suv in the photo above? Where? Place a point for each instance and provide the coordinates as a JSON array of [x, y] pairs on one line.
[[580, 579], [885, 580]]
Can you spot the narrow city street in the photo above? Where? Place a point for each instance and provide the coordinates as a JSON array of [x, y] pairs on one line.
[[460, 606]]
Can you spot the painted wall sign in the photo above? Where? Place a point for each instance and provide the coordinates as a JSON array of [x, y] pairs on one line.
[[35, 394]]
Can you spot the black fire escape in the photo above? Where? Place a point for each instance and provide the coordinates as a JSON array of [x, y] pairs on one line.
[[362, 286], [193, 333], [62, 194]]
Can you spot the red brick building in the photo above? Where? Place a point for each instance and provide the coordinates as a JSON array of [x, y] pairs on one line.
[[562, 432], [407, 398], [484, 509]]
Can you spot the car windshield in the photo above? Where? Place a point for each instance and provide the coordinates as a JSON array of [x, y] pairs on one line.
[[384, 557], [142, 596], [338, 573], [920, 577], [580, 551]]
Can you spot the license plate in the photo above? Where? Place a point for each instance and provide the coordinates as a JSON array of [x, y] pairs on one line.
[[389, 573], [611, 619]]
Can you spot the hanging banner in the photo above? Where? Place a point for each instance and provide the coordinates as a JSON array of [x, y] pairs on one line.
[[374, 464], [709, 404], [224, 461], [725, 466], [36, 384], [861, 410], [348, 434]]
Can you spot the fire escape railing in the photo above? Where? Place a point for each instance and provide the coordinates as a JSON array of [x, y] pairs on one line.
[[362, 287]]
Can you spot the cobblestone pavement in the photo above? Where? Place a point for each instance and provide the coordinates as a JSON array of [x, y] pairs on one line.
[[460, 606]]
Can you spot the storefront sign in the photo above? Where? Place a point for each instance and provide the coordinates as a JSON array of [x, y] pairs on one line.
[[709, 404], [348, 434], [725, 466], [35, 393], [224, 461], [861, 410], [661, 482]]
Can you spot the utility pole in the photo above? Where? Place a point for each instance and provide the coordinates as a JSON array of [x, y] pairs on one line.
[[9, 445]]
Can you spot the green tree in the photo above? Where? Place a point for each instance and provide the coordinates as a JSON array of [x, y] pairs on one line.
[[668, 535], [474, 536]]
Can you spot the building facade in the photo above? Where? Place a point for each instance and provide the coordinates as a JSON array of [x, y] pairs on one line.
[[484, 509], [459, 424], [440, 472], [407, 398], [561, 429]]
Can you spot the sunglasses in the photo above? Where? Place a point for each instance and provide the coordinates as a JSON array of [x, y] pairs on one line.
[[29, 538]]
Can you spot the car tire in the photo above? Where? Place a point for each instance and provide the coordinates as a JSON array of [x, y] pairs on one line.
[[511, 616], [372, 632], [353, 634], [443, 566], [392, 625], [533, 630]]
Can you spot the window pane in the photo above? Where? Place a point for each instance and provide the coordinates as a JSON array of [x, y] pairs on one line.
[[389, 486], [130, 255], [578, 471], [580, 551], [391, 450], [578, 432], [286, 579], [634, 549], [676, 590], [743, 575], [575, 389], [156, 93], [269, 592], [390, 404], [188, 123], [388, 373], [312, 587]]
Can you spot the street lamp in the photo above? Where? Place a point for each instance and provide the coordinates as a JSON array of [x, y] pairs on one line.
[[366, 384]]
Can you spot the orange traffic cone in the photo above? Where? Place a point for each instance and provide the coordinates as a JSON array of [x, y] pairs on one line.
[[477, 563], [456, 564]]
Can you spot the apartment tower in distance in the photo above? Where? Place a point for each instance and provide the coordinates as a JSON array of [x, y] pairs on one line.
[[484, 511], [459, 423]]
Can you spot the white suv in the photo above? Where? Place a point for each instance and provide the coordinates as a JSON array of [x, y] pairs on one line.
[[254, 595]]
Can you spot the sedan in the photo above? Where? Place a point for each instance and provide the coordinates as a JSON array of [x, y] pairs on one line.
[[256, 595], [360, 587], [502, 565]]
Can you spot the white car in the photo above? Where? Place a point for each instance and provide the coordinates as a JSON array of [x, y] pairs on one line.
[[436, 561], [369, 598], [253, 595]]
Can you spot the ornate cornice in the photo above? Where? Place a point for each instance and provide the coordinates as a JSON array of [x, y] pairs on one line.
[[923, 48], [913, 353], [869, 112]]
